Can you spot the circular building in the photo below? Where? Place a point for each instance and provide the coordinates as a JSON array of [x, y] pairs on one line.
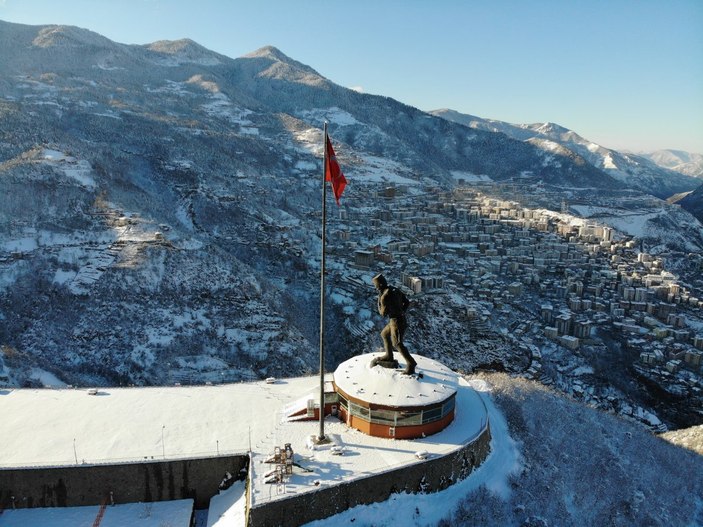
[[384, 402]]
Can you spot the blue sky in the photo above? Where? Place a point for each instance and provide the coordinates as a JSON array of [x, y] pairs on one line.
[[625, 74]]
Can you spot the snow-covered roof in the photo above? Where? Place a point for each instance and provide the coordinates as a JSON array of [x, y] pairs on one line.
[[390, 387], [128, 424], [173, 513]]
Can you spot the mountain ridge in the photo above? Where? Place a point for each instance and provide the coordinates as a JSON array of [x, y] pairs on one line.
[[635, 171], [687, 163], [276, 81]]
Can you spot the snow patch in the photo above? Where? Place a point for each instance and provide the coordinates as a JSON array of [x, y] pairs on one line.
[[334, 115], [228, 508], [46, 378], [79, 171], [221, 106], [633, 224], [62, 277], [379, 170], [469, 177], [23, 245], [305, 166]]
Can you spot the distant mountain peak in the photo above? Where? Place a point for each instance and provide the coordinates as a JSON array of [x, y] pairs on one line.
[[550, 128], [634, 171], [269, 52], [185, 50], [68, 36], [685, 162], [277, 65], [176, 46]]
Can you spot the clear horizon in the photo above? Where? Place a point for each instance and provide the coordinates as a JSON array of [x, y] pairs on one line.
[[627, 75]]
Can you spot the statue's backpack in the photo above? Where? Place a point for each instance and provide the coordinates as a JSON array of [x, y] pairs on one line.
[[397, 302]]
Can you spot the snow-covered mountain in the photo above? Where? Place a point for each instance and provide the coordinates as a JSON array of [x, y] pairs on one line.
[[678, 160], [632, 170], [159, 204], [693, 202], [159, 223]]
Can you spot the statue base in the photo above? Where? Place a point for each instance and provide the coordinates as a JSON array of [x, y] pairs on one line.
[[378, 361]]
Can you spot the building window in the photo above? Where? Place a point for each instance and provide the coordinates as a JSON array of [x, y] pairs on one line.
[[383, 417], [440, 412], [448, 406], [408, 418], [395, 418], [359, 411], [435, 414]]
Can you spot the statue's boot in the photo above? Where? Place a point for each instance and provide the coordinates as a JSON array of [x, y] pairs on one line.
[[387, 356], [410, 363], [383, 358]]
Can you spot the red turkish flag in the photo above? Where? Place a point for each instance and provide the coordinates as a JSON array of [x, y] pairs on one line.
[[333, 173]]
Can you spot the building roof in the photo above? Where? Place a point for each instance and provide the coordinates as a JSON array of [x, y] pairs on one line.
[[390, 387], [128, 424], [156, 514]]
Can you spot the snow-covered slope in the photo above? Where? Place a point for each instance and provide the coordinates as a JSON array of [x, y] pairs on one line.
[[693, 203], [690, 438]]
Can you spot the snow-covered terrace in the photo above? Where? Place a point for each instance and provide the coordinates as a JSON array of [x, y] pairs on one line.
[[41, 426], [65, 426], [363, 455]]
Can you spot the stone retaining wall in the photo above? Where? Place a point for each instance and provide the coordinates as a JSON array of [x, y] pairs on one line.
[[429, 476], [68, 486]]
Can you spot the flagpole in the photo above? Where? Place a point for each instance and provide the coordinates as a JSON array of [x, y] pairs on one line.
[[321, 436]]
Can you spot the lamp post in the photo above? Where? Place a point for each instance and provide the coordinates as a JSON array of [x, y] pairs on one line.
[[163, 447], [75, 454]]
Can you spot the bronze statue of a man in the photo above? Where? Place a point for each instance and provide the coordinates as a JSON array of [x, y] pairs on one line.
[[392, 303]]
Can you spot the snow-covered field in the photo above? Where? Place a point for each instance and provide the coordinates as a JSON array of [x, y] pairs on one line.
[[131, 424], [378, 170], [228, 508], [468, 177]]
